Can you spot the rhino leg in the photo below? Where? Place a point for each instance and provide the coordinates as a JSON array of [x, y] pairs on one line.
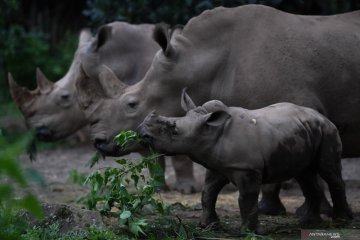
[[330, 171], [185, 180], [249, 185], [325, 207], [214, 182], [313, 194], [161, 160], [270, 203]]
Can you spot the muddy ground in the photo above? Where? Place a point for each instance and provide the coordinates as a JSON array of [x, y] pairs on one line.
[[55, 165]]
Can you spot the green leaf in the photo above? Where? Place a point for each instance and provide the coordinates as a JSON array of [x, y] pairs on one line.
[[125, 137], [136, 227], [30, 203], [35, 177], [5, 192], [13, 170], [136, 203], [182, 232], [135, 178], [121, 161], [93, 160], [125, 214]]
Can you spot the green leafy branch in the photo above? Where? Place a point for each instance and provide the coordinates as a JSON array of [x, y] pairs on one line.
[[110, 189]]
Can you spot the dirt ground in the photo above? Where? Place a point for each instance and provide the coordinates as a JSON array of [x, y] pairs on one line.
[[55, 165]]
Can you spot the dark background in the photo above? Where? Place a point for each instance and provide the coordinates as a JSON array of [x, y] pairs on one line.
[[43, 33]]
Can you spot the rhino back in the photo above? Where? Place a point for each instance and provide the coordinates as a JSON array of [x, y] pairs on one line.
[[263, 56], [274, 138]]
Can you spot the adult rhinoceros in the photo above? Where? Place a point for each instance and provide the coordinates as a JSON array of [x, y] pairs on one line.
[[52, 109], [249, 56]]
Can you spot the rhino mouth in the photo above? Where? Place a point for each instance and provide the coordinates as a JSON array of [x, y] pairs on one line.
[[44, 134], [147, 141], [113, 150], [146, 138], [105, 148]]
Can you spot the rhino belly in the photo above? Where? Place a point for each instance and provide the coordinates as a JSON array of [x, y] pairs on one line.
[[350, 137]]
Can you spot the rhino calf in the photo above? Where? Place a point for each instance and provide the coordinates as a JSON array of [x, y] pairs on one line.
[[252, 147]]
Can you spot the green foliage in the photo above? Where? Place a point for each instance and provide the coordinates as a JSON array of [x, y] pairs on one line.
[[23, 49], [180, 11], [53, 232], [124, 138], [110, 188], [76, 177], [13, 177]]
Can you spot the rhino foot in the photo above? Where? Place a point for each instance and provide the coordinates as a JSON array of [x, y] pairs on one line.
[[186, 186], [163, 188], [325, 208], [269, 206], [310, 220], [259, 230], [210, 220], [344, 216]]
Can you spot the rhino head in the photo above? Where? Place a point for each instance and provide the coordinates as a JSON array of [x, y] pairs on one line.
[[52, 109], [199, 129], [100, 102], [115, 106]]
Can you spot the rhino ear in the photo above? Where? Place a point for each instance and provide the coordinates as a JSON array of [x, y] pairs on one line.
[[85, 36], [88, 92], [186, 103], [162, 35], [112, 86], [101, 37], [44, 84], [20, 95], [217, 119]]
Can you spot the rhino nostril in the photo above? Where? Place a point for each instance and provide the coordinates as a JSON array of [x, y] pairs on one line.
[[94, 123], [42, 131], [98, 142]]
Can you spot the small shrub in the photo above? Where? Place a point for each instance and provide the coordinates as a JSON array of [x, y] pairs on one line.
[[110, 187]]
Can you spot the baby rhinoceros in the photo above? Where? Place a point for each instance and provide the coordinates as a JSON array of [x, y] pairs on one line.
[[252, 147]]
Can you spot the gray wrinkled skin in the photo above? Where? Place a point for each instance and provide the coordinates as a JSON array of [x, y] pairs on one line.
[[52, 109], [252, 147]]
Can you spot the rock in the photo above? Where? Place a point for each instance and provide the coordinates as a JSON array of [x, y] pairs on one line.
[[68, 217]]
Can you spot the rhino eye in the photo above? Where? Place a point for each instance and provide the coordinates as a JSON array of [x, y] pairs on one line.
[[174, 132], [65, 96], [132, 104]]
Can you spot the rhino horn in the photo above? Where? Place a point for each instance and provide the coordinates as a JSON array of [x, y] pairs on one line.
[[186, 103], [20, 95], [112, 86], [43, 83], [88, 92]]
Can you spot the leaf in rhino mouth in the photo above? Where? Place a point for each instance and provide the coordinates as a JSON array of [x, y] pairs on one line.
[[124, 138]]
